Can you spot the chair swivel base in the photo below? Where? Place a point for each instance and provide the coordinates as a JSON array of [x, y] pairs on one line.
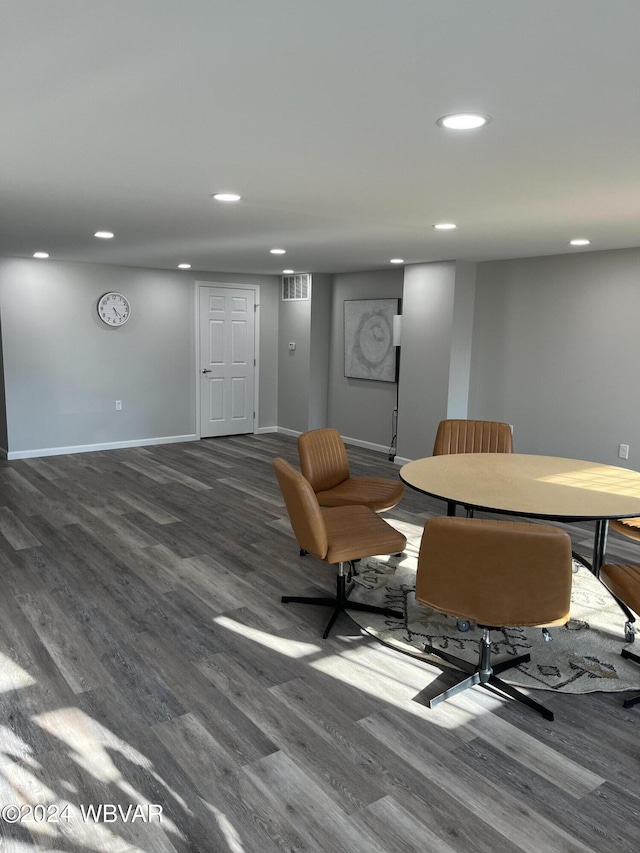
[[635, 700], [340, 603], [485, 676]]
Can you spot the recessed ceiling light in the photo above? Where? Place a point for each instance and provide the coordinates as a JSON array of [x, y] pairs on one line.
[[40, 254], [579, 241], [445, 226], [104, 235], [287, 272], [396, 261], [278, 251], [184, 266], [227, 196], [463, 121]]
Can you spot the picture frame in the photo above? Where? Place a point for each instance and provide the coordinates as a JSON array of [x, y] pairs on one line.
[[369, 352]]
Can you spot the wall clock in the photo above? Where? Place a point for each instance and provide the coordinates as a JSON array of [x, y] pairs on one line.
[[114, 309]]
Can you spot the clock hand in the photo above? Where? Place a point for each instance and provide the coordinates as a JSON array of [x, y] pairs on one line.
[[116, 312]]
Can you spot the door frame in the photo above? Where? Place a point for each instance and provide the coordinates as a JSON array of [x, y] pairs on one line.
[[256, 345]]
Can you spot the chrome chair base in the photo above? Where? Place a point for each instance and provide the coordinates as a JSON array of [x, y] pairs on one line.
[[485, 674]]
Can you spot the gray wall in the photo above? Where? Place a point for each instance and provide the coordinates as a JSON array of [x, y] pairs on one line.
[[294, 366], [4, 441], [321, 297], [303, 373], [461, 340], [556, 351], [360, 408], [427, 329], [64, 368]]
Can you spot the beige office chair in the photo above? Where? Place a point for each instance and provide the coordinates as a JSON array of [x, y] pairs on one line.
[[466, 436], [623, 582], [338, 535], [324, 463], [497, 574], [630, 528]]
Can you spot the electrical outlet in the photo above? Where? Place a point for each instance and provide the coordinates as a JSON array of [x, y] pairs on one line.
[[292, 345], [623, 451], [118, 405]]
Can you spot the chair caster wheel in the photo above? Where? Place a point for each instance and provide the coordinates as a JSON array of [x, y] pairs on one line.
[[463, 625], [629, 632]]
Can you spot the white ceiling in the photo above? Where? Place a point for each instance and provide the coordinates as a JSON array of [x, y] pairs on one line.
[[127, 115]]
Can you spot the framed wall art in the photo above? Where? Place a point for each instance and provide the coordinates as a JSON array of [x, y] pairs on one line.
[[368, 339]]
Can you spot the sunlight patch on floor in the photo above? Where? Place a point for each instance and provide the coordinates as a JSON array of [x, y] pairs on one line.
[[13, 676], [89, 743], [91, 746], [282, 645], [393, 678], [234, 844], [95, 750]]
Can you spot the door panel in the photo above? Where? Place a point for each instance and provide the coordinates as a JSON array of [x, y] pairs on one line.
[[238, 398], [216, 342], [227, 370], [216, 400]]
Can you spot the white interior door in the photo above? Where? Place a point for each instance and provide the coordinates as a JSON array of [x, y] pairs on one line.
[[227, 360]]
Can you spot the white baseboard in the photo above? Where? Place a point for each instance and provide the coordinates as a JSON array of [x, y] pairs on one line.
[[92, 448], [400, 460], [368, 445], [172, 439]]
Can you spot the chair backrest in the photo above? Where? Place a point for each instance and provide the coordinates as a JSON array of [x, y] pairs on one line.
[[496, 573], [323, 458], [464, 436], [304, 510]]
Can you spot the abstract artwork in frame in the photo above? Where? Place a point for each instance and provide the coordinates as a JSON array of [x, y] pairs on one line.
[[368, 339]]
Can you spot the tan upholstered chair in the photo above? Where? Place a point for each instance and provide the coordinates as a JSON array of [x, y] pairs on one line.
[[335, 535], [629, 527], [465, 436], [623, 582], [497, 574], [324, 463]]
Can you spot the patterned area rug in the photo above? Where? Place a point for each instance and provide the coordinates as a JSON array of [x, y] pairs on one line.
[[582, 657]]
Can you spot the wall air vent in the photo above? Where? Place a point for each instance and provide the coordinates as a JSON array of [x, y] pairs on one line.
[[297, 287]]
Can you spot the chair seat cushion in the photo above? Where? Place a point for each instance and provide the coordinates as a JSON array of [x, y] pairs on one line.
[[629, 527], [624, 582], [356, 531], [378, 493]]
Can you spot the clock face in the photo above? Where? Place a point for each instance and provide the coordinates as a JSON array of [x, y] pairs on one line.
[[114, 309]]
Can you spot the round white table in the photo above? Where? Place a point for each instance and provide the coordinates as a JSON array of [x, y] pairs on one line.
[[545, 487]]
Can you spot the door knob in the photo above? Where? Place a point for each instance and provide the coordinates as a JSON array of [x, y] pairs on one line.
[[204, 370]]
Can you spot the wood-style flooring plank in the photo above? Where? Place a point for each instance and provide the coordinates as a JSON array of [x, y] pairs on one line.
[[241, 803], [14, 531], [233, 729], [321, 822], [65, 642]]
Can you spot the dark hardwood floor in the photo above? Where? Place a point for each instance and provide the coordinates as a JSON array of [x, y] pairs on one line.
[[146, 661]]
